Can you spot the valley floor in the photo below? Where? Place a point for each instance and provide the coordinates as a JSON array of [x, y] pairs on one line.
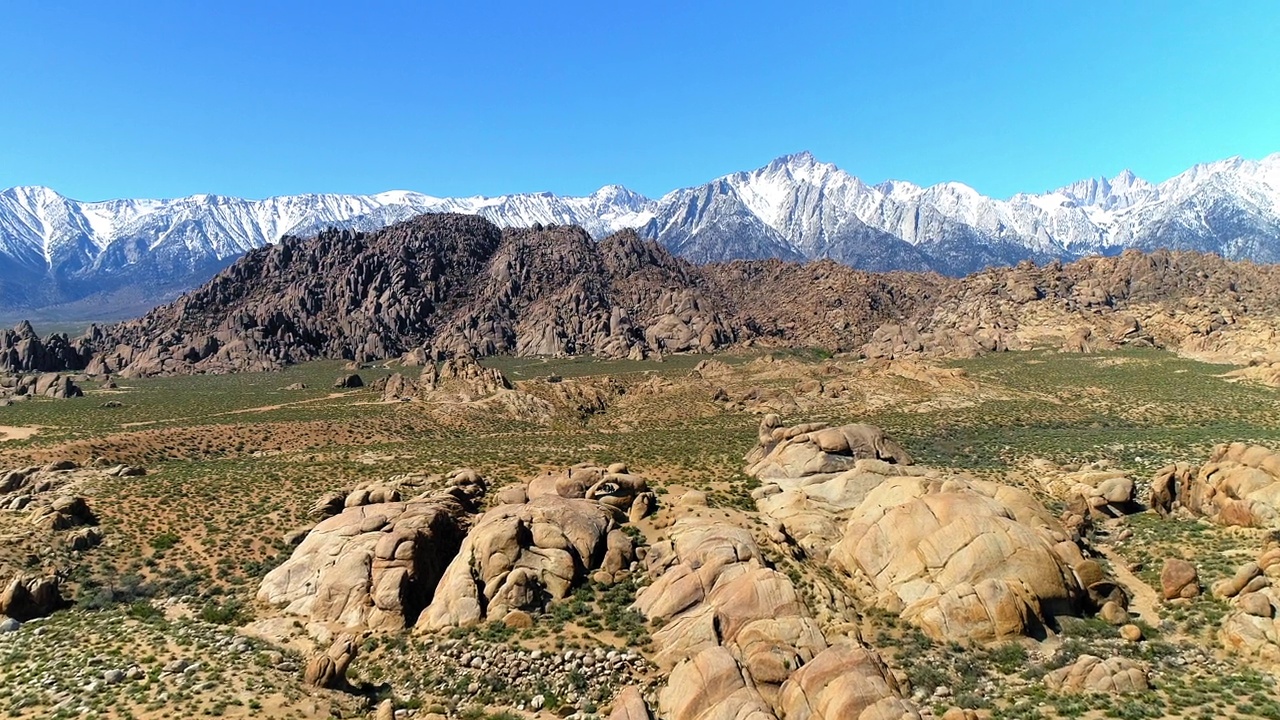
[[163, 620]]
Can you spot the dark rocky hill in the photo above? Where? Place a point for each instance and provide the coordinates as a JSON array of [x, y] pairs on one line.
[[449, 285]]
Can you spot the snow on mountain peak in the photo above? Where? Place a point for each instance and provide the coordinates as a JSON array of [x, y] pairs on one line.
[[794, 207]]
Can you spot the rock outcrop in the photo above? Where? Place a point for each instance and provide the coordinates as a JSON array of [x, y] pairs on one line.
[[1239, 484], [1104, 492], [1179, 580], [740, 642], [455, 284], [376, 563], [525, 555], [1200, 305], [55, 386], [814, 450], [961, 559], [1094, 674], [328, 670], [23, 352], [1252, 625], [30, 596]]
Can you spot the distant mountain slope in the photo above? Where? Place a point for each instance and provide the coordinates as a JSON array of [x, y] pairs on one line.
[[77, 258]]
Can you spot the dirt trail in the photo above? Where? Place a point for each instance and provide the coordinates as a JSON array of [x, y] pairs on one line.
[[260, 408], [11, 432], [1142, 597]]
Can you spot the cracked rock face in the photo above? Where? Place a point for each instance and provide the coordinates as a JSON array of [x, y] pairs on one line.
[[814, 449], [1094, 674], [960, 559], [376, 563], [539, 543], [741, 643], [1239, 485]]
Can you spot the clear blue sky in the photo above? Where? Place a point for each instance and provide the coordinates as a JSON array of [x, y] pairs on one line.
[[133, 99]]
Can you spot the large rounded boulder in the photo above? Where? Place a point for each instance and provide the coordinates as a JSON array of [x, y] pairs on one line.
[[960, 559]]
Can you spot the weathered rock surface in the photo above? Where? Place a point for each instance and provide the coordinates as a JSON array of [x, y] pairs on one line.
[[1238, 485], [844, 681], [1093, 674], [814, 449], [29, 596], [630, 705], [348, 382], [376, 563], [22, 351], [1105, 492], [961, 559], [735, 631], [329, 669], [1179, 579], [1197, 304], [455, 284], [523, 556], [1252, 626], [56, 386]]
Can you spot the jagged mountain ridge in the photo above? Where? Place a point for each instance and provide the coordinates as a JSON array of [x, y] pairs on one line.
[[54, 250], [446, 285]]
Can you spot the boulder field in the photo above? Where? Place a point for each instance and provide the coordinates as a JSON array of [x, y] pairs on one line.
[[962, 559]]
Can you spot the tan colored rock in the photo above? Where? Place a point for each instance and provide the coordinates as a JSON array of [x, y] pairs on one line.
[[1256, 604], [1233, 585], [1239, 485], [1131, 632], [518, 557], [815, 449], [329, 669], [960, 559], [517, 619], [735, 632], [693, 498], [1252, 630], [844, 681], [1093, 674], [28, 596], [511, 495], [630, 705], [1114, 614], [711, 685], [375, 565], [1179, 579]]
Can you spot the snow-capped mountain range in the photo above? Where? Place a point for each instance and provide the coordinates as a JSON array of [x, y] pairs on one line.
[[106, 255]]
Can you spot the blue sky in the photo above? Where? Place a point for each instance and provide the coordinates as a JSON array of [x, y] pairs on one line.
[[132, 99]]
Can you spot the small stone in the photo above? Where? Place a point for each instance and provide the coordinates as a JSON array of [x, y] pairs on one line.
[[113, 677], [1131, 632], [9, 625], [538, 702]]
